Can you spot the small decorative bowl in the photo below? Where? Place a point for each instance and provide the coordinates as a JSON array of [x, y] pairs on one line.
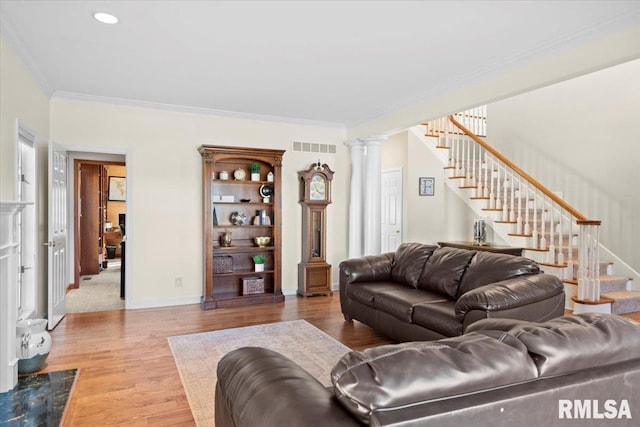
[[262, 241]]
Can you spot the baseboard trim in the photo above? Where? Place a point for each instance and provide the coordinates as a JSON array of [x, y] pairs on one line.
[[135, 305]]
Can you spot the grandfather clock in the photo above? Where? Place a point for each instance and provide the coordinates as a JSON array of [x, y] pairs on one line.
[[314, 274]]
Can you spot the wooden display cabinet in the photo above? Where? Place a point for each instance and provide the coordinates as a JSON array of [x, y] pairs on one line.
[[222, 198]]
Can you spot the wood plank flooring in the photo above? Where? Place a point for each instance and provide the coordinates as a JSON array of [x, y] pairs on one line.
[[127, 375]]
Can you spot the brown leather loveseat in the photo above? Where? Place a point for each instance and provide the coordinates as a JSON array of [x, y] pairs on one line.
[[581, 370], [424, 292]]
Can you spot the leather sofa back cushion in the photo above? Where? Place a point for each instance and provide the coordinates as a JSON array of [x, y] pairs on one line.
[[409, 261], [488, 267], [444, 269], [391, 376], [582, 341]]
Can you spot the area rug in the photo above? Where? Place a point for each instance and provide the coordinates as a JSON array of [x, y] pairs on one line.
[[197, 357], [38, 400]]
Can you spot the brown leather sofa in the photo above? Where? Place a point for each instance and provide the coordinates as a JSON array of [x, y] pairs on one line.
[[581, 370], [424, 292]]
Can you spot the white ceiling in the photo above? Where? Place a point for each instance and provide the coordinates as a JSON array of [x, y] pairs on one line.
[[337, 63]]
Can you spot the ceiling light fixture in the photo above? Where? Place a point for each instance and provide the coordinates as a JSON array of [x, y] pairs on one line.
[[105, 18]]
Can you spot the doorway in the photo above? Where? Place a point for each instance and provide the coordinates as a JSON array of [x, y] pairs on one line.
[[392, 213], [99, 212]]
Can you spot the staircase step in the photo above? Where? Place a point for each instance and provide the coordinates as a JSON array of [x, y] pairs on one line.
[[607, 283], [624, 301]]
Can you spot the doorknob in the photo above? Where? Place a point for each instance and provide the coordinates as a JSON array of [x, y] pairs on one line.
[[397, 231], [50, 244]]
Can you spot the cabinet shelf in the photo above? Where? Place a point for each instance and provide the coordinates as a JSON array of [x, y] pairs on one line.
[[231, 226], [217, 250], [244, 273], [236, 182], [242, 203]]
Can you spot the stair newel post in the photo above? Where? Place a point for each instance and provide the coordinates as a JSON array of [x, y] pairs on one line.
[[589, 261]]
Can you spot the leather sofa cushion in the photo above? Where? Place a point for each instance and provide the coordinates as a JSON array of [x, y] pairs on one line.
[[439, 317], [368, 268], [365, 293], [571, 343], [489, 267], [408, 262], [399, 302], [392, 376], [444, 269]]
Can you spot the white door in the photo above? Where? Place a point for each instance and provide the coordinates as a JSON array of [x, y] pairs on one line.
[[57, 239], [391, 210]]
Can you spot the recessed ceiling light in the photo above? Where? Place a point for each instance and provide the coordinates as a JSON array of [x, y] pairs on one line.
[[105, 18]]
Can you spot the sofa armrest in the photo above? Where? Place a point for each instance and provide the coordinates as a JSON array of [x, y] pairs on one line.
[[508, 294], [260, 387], [367, 269]]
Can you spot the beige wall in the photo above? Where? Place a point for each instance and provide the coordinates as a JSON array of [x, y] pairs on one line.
[[22, 98], [581, 138], [164, 222]]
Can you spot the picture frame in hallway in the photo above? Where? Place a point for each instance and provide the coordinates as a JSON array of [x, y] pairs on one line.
[[426, 186], [117, 189]]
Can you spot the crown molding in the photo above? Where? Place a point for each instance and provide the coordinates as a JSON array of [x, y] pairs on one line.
[[132, 103], [9, 35]]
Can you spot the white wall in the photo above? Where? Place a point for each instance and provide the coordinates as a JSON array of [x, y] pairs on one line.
[[164, 200], [581, 137], [22, 98]]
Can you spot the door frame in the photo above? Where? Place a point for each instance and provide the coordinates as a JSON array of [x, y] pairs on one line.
[[101, 155]]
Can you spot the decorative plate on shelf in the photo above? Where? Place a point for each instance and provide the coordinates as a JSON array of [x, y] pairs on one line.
[[239, 174]]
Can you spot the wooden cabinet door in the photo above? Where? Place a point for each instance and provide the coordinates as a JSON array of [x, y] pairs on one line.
[[89, 218]]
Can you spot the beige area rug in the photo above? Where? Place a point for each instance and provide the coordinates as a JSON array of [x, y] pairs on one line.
[[99, 292], [197, 357]]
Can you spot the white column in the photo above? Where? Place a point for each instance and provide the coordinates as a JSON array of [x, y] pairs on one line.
[[372, 196], [356, 199]]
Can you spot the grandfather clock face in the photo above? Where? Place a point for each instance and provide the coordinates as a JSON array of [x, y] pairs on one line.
[[318, 187]]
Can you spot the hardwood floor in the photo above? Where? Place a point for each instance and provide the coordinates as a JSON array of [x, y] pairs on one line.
[[127, 375]]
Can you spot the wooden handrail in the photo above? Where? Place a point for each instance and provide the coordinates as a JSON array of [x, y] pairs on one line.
[[522, 173]]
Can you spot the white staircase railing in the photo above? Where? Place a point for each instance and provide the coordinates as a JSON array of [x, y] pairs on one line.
[[549, 225]]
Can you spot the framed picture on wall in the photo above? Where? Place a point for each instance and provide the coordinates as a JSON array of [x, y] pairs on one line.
[[426, 186], [117, 189]]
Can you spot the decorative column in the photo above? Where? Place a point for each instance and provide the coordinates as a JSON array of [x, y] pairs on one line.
[[372, 194], [356, 199]]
